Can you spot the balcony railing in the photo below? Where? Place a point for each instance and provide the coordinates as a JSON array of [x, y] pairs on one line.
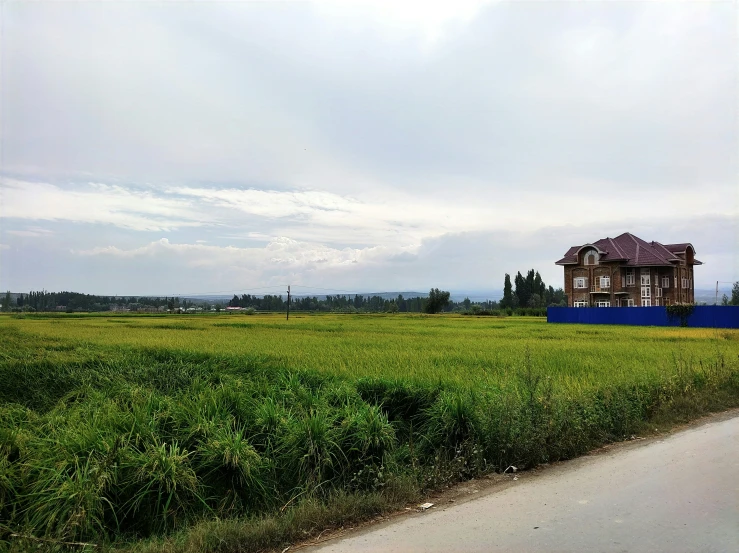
[[596, 289]]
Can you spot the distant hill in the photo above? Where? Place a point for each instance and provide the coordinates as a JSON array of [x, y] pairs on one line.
[[703, 295]]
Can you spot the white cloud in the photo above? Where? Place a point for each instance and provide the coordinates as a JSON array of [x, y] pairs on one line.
[[98, 203], [280, 251], [428, 20], [369, 131], [31, 232]]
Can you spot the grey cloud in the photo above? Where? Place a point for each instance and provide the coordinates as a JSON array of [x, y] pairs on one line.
[[526, 94], [462, 261], [518, 132]]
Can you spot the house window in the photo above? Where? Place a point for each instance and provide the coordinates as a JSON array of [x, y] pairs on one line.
[[605, 282], [646, 302], [603, 304], [665, 282], [629, 303], [580, 304], [646, 292], [675, 282], [630, 278], [656, 303], [645, 280], [658, 293], [686, 283], [580, 282]]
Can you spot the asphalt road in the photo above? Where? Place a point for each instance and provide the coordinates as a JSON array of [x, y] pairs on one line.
[[673, 495]]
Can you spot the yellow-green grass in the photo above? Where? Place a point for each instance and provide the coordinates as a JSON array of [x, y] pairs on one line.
[[456, 349], [115, 428]]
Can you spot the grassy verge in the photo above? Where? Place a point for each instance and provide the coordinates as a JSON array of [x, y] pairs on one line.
[[144, 448]]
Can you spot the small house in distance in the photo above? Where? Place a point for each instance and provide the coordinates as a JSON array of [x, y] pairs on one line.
[[627, 271]]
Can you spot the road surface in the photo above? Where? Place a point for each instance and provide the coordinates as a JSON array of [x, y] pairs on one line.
[[678, 494]]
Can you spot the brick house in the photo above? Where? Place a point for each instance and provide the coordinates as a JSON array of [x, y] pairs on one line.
[[626, 271]]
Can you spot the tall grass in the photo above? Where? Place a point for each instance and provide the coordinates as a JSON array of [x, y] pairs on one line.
[[108, 437]]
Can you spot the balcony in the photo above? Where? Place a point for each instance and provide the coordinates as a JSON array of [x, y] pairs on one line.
[[594, 289]]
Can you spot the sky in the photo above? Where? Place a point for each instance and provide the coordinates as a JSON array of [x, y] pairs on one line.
[[175, 148]]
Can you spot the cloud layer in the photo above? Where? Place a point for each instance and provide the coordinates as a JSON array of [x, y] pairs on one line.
[[361, 145]]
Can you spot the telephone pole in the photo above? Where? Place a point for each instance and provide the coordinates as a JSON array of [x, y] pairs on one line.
[[287, 318], [716, 301]]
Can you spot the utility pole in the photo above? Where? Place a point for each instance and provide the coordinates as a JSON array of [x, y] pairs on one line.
[[716, 302], [288, 303]]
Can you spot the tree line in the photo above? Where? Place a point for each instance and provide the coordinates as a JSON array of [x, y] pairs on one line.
[[437, 301], [521, 293], [530, 291], [75, 301]]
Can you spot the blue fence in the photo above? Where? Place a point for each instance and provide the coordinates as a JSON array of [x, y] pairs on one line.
[[706, 316]]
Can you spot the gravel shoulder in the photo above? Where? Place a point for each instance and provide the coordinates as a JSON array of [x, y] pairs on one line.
[[675, 490]]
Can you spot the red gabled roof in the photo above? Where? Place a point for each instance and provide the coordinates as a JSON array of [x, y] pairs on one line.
[[632, 249], [678, 248]]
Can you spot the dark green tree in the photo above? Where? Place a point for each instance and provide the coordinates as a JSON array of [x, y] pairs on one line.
[[507, 300], [437, 300], [522, 290], [735, 294], [6, 302]]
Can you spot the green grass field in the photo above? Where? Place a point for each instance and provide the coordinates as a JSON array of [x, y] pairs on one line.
[[174, 433]]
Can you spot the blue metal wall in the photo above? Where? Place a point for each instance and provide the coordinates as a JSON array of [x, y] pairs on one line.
[[707, 316]]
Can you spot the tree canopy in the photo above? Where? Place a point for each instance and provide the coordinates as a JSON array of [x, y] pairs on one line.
[[437, 300], [530, 291]]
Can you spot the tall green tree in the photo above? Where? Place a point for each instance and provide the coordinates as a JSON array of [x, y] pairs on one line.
[[507, 300], [735, 293], [522, 290], [437, 300], [6, 302]]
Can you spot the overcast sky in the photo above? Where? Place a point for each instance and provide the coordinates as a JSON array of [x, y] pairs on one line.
[[186, 147]]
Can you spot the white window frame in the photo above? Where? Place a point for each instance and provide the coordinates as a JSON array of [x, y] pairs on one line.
[[580, 282], [658, 292], [656, 302], [646, 302], [629, 303], [686, 283], [630, 277], [665, 282], [603, 304], [605, 282], [646, 292], [645, 277], [580, 304]]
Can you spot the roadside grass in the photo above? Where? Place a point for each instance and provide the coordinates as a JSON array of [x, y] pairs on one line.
[[218, 434]]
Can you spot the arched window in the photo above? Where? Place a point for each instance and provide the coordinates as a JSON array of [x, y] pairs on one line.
[[590, 259]]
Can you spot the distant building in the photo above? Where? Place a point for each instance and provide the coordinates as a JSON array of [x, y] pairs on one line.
[[627, 271]]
